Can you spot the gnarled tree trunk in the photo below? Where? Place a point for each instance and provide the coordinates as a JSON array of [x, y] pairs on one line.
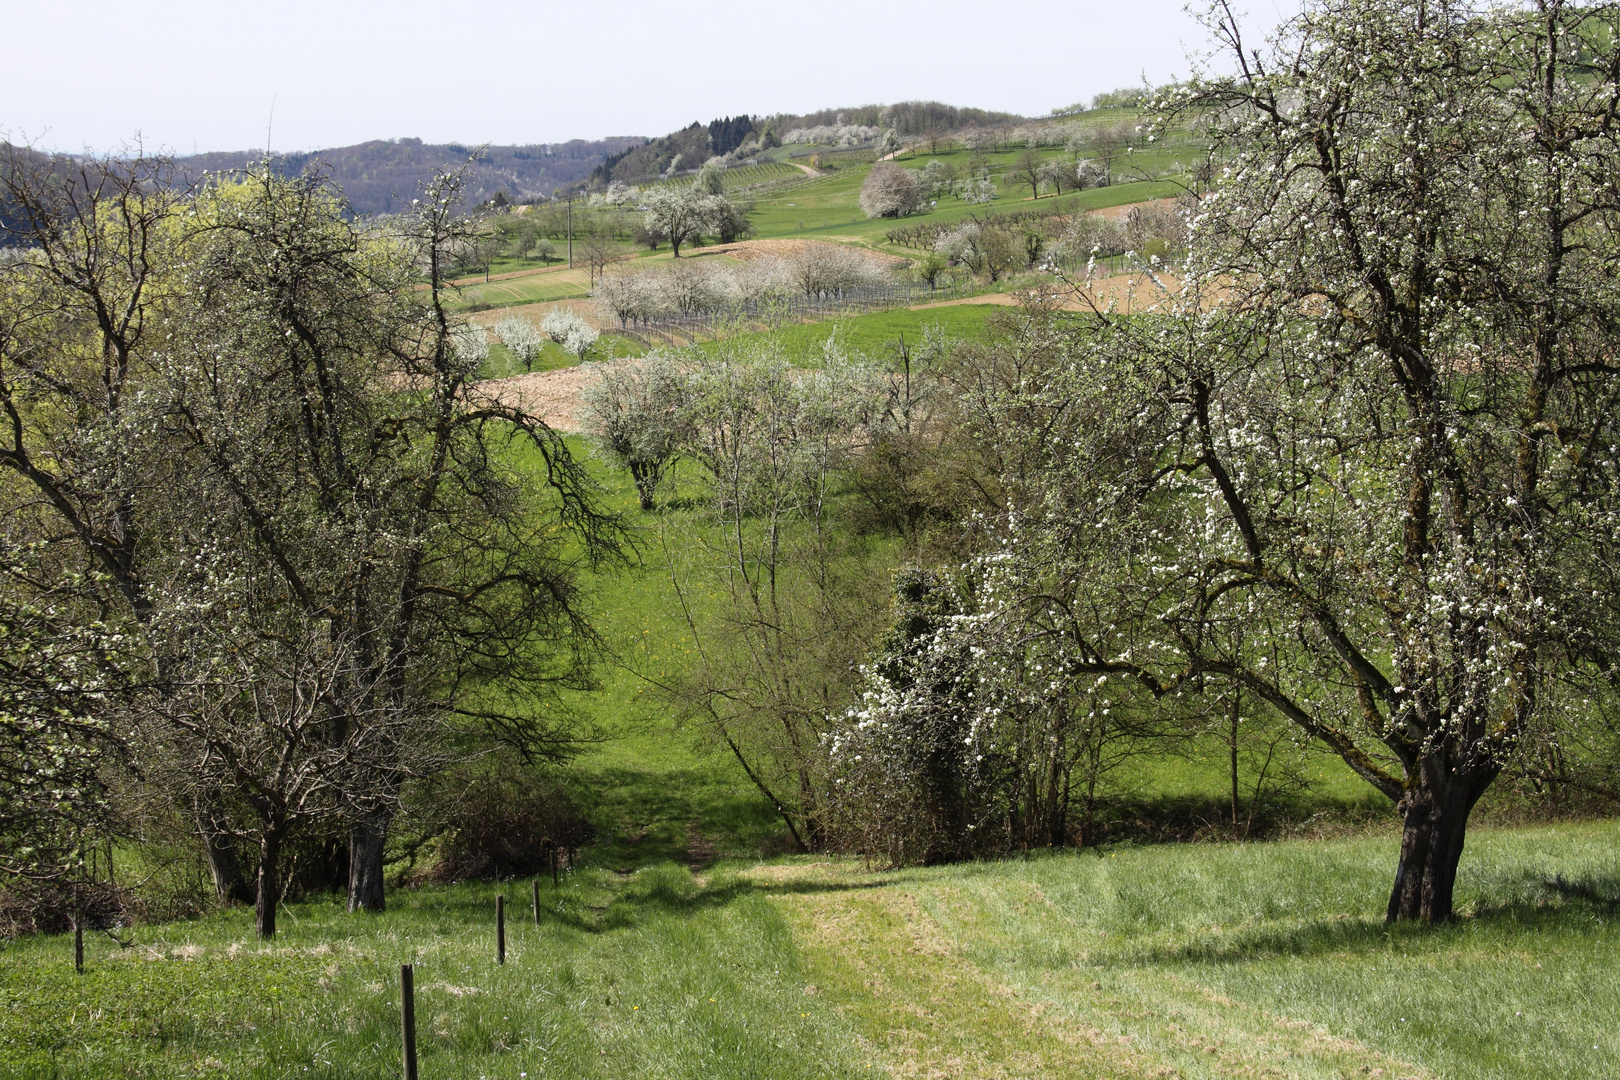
[[220, 847], [1435, 813], [367, 839], [646, 478]]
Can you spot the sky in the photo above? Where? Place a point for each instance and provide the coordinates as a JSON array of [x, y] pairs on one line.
[[184, 76]]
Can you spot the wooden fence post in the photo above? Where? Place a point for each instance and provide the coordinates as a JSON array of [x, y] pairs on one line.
[[500, 929], [78, 943], [407, 1017], [535, 886]]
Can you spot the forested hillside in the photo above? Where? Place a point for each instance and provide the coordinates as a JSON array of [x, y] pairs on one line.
[[377, 175], [744, 136], [381, 176]]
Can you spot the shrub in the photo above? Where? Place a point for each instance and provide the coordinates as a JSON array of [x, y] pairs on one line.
[[471, 345], [520, 336], [1088, 236], [504, 826], [1157, 228], [905, 765], [1090, 174], [31, 907], [569, 329], [650, 236], [820, 269]]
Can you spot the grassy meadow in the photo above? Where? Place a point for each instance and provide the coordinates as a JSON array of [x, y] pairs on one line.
[[689, 942], [828, 208], [1195, 961], [783, 201], [524, 287]]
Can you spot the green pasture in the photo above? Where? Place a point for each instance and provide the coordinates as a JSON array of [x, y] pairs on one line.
[[1197, 961], [876, 334], [529, 289], [828, 207], [1229, 961], [767, 171], [685, 946], [503, 362]]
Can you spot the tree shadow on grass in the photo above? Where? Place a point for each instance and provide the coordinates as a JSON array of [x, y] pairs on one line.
[[809, 888], [1557, 904], [663, 890], [646, 818], [1553, 900]]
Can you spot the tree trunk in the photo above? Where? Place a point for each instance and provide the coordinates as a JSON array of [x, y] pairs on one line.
[[1232, 749], [1435, 823], [1057, 797], [220, 847], [646, 483], [367, 839], [269, 885]]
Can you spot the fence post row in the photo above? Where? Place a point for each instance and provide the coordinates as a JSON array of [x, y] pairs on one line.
[[407, 1017], [500, 929]]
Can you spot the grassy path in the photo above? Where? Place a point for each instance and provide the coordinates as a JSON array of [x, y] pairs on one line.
[[1195, 961], [936, 1011], [1232, 961]]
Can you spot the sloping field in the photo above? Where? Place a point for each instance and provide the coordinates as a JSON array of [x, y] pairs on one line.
[[540, 286], [1194, 961]]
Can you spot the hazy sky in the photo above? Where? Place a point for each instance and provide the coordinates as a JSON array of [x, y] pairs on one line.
[[187, 75]]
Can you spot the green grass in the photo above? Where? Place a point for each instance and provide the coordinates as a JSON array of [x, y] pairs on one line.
[[1192, 961], [1234, 960], [645, 975], [875, 334], [828, 208], [503, 362], [741, 176], [656, 789], [1206, 960], [1198, 960], [529, 289], [829, 205]]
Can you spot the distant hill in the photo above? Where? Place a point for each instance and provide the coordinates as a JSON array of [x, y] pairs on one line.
[[694, 144], [382, 176], [379, 177]]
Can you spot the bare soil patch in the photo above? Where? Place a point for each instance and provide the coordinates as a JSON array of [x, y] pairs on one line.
[[553, 396], [1120, 213], [1127, 293], [786, 247]]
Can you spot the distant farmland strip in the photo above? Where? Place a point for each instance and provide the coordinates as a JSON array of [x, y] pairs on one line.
[[534, 289], [735, 177]]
